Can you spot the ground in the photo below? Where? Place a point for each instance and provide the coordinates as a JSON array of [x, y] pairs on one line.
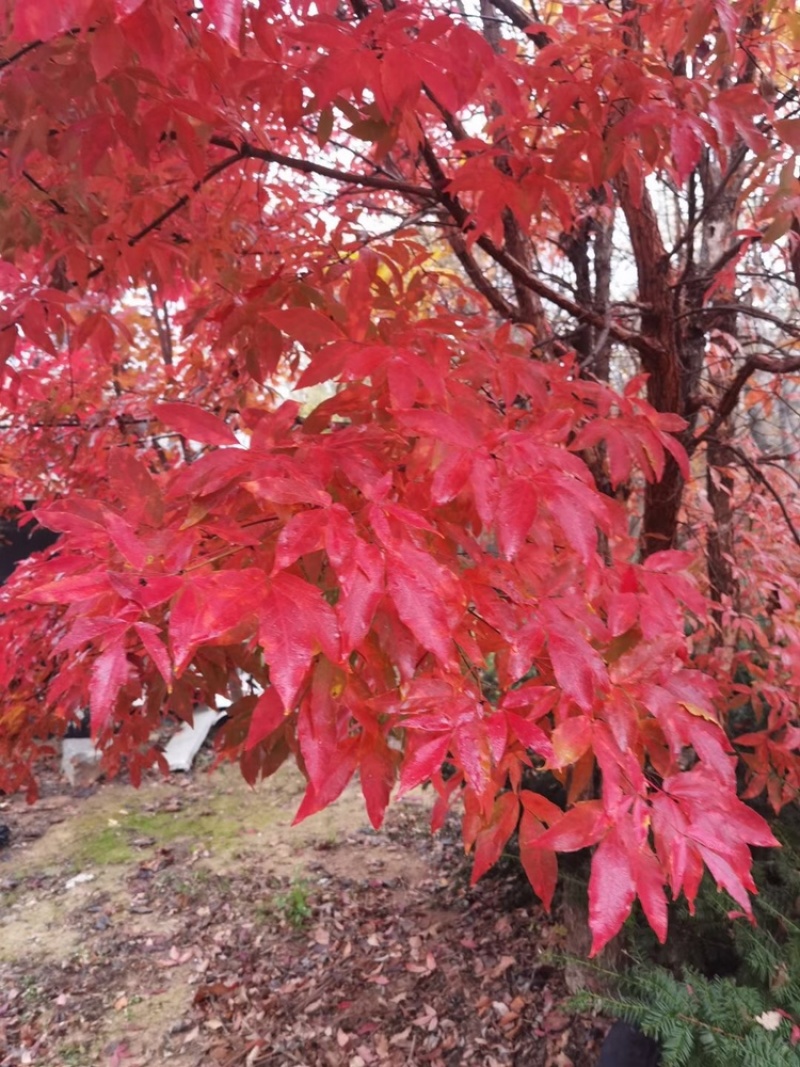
[[188, 923]]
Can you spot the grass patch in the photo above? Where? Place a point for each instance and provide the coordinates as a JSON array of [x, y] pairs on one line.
[[105, 841]]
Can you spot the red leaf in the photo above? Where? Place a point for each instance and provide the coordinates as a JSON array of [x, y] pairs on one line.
[[491, 840], [427, 597], [323, 724], [359, 571], [579, 670], [130, 547], [516, 512], [109, 673], [543, 809], [135, 487], [570, 739], [155, 646], [227, 18], [146, 592], [377, 772], [439, 425], [686, 148], [126, 7], [578, 828], [362, 588], [451, 476], [268, 715], [296, 624], [301, 534], [421, 761], [214, 609], [470, 747], [540, 864], [306, 325], [195, 424], [69, 590], [41, 19], [334, 784], [571, 507], [731, 872], [650, 890], [611, 891], [531, 735]]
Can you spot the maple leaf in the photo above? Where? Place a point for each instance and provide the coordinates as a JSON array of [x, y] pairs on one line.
[[110, 672], [268, 715], [196, 424], [226, 16], [219, 607], [295, 624], [491, 839], [33, 20], [427, 599]]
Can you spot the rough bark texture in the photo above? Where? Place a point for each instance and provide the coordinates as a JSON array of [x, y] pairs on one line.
[[660, 325]]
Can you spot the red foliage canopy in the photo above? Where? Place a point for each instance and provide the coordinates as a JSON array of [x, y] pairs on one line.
[[480, 536]]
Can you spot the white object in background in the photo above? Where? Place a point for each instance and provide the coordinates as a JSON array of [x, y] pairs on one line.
[[186, 743], [79, 759], [79, 879]]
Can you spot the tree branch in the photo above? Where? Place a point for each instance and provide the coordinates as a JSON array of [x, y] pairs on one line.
[[749, 312], [760, 477], [437, 193], [522, 20], [473, 271], [40, 188], [19, 54], [246, 150], [517, 270], [182, 201], [730, 397]]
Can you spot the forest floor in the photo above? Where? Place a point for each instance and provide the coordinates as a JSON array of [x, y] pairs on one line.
[[187, 923]]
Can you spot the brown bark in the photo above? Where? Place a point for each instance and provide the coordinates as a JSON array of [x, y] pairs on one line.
[[662, 363]]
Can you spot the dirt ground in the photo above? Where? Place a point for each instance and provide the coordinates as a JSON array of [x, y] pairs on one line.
[[188, 923]]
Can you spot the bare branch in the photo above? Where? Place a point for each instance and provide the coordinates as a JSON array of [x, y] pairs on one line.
[[730, 397], [760, 477], [481, 282], [20, 53], [246, 150], [749, 312]]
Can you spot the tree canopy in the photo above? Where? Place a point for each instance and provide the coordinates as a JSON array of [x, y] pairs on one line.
[[534, 271]]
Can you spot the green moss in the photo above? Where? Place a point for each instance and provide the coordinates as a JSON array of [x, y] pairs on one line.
[[103, 841]]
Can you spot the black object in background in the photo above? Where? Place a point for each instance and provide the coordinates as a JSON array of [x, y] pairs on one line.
[[5, 836], [17, 542], [625, 1046]]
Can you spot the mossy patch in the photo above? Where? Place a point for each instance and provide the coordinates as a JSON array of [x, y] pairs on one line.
[[122, 837]]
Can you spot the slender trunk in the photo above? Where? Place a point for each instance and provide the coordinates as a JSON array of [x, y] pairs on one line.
[[665, 388]]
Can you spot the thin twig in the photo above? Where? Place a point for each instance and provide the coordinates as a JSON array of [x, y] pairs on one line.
[[19, 54], [729, 399], [38, 186], [760, 477], [181, 202], [246, 150]]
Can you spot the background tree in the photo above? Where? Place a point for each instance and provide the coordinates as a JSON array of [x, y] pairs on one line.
[[494, 229]]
